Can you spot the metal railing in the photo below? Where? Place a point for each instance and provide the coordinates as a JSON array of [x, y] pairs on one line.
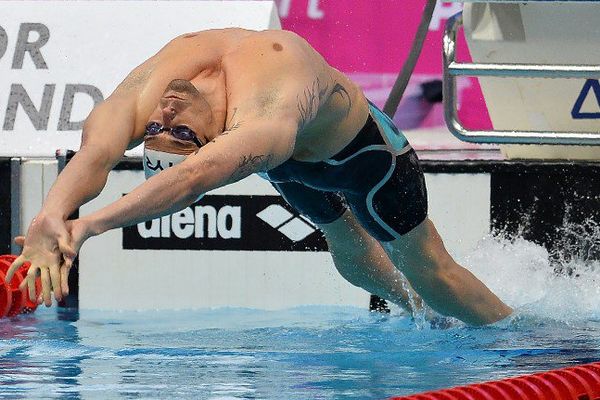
[[453, 69]]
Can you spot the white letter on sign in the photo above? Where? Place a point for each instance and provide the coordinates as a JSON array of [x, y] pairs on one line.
[[211, 216], [235, 215], [284, 8], [313, 10], [443, 12], [182, 223], [165, 226], [152, 232]]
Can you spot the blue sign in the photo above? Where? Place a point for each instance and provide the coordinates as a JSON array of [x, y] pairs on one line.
[[585, 91]]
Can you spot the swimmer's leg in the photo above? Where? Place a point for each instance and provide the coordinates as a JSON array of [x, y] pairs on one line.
[[358, 257], [447, 287], [362, 261], [395, 213]]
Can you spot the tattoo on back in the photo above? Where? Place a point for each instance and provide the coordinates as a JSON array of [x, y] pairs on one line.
[[341, 90], [230, 126], [309, 102], [313, 96], [233, 124]]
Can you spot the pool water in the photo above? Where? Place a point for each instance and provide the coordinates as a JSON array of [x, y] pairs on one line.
[[311, 352]]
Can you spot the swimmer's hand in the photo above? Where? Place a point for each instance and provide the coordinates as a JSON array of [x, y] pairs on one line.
[[80, 230], [47, 248]]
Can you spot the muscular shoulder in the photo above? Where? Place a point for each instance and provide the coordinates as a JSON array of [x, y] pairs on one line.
[[269, 69]]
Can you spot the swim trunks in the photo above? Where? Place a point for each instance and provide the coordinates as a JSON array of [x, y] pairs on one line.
[[377, 176]]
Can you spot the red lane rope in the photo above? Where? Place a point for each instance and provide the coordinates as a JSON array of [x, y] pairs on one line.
[[573, 383], [14, 301]]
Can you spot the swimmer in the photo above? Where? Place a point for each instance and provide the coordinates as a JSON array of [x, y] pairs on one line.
[[215, 106]]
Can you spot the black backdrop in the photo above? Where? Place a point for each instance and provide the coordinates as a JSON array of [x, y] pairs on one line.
[[5, 193]]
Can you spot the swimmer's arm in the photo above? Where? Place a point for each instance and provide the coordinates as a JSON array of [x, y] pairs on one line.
[[257, 146], [46, 244], [112, 127], [107, 133]]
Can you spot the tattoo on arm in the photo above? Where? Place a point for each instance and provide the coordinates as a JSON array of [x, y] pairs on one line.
[[249, 164]]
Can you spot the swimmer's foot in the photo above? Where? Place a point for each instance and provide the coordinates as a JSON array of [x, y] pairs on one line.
[[435, 320], [441, 322]]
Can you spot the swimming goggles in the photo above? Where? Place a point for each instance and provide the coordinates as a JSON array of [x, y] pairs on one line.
[[180, 132]]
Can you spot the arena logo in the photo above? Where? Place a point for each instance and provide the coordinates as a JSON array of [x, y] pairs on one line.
[[294, 228], [201, 222], [30, 40], [228, 223]]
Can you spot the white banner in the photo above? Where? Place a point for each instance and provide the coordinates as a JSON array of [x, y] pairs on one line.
[[59, 58], [243, 249]]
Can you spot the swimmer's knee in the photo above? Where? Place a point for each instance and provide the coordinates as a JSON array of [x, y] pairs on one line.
[[420, 248], [350, 273]]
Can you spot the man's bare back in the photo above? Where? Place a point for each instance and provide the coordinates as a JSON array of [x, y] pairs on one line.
[[243, 73]]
